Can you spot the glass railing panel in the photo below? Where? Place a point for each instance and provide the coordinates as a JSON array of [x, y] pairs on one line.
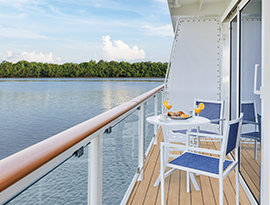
[[120, 158], [150, 111], [149, 128], [66, 184], [160, 103]]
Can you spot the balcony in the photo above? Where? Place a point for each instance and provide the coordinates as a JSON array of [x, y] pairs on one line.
[[75, 166]]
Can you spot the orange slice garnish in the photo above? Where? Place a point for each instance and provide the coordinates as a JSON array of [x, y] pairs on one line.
[[166, 102], [201, 105]]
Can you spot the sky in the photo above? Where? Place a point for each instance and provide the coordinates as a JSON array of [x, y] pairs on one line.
[[60, 31]]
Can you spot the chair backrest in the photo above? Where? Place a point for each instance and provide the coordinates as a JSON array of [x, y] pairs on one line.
[[249, 110], [233, 134], [213, 110]]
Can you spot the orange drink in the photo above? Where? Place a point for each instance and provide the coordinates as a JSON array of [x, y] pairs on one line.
[[198, 110], [166, 104]]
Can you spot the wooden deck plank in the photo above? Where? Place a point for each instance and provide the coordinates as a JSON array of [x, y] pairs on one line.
[[184, 196], [207, 191], [196, 196], [242, 195], [141, 188], [174, 193], [248, 149], [175, 185], [206, 185]]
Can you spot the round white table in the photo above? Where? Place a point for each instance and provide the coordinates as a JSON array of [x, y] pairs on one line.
[[169, 125], [193, 121], [175, 124]]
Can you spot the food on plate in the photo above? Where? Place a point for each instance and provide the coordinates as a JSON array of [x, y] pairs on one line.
[[184, 115], [179, 114]]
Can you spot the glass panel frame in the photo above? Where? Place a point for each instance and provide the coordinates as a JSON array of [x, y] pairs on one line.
[[54, 188], [248, 53], [120, 158]]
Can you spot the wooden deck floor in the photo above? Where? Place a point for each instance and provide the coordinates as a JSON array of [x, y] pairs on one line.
[[250, 168], [175, 185]]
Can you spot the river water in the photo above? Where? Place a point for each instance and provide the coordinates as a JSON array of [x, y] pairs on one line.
[[32, 110]]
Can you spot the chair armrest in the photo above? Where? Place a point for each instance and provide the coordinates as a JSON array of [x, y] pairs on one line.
[[249, 122], [217, 120], [185, 147], [176, 133], [204, 135]]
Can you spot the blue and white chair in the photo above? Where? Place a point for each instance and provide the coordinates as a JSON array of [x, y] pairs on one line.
[[214, 111], [251, 121], [193, 160]]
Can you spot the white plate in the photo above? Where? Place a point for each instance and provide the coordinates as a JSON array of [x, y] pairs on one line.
[[180, 118]]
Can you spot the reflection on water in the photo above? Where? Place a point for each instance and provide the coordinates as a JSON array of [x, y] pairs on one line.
[[32, 110]]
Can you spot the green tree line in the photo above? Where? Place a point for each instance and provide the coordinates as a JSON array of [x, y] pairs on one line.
[[87, 69]]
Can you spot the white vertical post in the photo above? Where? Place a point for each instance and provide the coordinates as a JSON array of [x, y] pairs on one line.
[[163, 99], [95, 169], [156, 112], [162, 175], [265, 140], [141, 143], [238, 62]]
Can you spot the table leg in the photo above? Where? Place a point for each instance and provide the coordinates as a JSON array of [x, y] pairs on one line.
[[188, 182], [165, 175], [194, 182]]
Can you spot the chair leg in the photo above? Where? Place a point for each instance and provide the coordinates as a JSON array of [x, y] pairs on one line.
[[188, 182], [162, 182], [237, 185], [255, 150], [221, 190]]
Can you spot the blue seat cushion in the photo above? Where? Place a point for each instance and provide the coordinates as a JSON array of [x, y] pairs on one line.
[[200, 162], [194, 130], [252, 135]]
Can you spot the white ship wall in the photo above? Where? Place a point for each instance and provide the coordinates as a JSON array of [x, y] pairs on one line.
[[195, 63]]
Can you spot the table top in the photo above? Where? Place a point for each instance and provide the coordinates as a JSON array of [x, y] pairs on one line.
[[193, 121]]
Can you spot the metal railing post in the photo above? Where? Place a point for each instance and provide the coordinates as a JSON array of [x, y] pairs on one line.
[[163, 99], [141, 143], [156, 112], [95, 171]]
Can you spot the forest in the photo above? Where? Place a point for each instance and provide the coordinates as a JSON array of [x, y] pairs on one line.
[[25, 69]]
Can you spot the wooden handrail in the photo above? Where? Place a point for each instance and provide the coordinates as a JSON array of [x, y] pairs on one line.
[[23, 163]]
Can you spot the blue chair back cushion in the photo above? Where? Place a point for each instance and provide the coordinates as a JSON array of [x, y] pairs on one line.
[[200, 162], [210, 111], [259, 122], [249, 112], [232, 137]]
